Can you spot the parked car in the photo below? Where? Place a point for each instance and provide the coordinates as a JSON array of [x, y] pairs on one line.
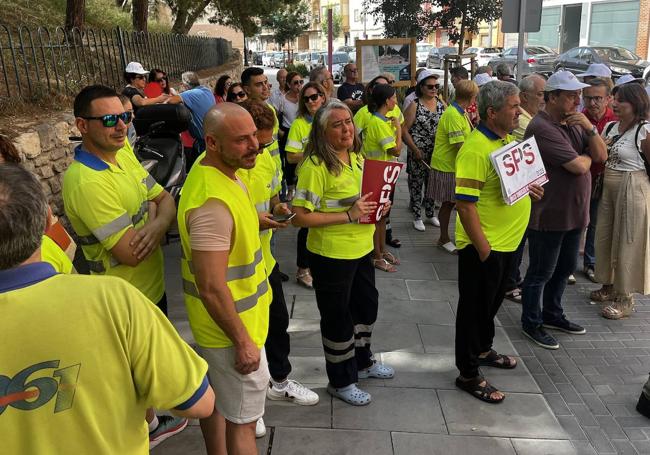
[[312, 59], [483, 54], [618, 59], [300, 58], [278, 60], [436, 56], [266, 58], [339, 60], [537, 59], [422, 52]]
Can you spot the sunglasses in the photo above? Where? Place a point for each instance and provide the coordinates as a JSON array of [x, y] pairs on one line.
[[110, 120], [268, 144], [241, 94], [391, 82], [432, 86], [313, 97], [299, 82]]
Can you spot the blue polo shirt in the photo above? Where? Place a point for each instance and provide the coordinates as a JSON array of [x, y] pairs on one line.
[[199, 100]]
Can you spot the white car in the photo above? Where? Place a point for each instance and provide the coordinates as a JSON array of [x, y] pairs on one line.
[[266, 58], [483, 54], [422, 53]]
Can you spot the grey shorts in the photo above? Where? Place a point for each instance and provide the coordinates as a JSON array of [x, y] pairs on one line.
[[239, 398]]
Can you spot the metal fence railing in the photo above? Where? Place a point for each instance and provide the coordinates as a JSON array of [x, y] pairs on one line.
[[39, 62]]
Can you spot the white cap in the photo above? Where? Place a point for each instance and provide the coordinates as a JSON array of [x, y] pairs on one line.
[[564, 80], [426, 74], [482, 79], [135, 68], [597, 70], [626, 79]]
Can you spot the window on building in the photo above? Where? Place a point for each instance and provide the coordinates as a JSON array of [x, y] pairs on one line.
[[357, 16]]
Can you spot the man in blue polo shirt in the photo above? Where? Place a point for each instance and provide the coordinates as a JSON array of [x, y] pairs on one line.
[[82, 356], [198, 99]]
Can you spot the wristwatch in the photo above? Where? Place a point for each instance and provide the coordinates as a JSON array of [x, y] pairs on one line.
[[593, 131]]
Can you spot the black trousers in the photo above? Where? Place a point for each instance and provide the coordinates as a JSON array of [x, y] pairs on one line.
[[481, 286], [162, 304], [302, 256], [347, 300], [288, 169], [277, 341]]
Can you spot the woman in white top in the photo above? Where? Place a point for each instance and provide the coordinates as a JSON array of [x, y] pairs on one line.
[[622, 229], [287, 109]]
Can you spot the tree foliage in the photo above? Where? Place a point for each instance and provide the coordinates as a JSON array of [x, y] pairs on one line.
[[289, 22], [402, 18], [462, 16], [337, 24]]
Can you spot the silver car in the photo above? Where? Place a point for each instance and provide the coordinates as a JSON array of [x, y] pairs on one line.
[[437, 54]]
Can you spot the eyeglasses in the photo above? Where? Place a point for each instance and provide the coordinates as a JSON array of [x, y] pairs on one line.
[[110, 120], [391, 82], [432, 86], [263, 146], [241, 94], [593, 99], [298, 82], [312, 98]]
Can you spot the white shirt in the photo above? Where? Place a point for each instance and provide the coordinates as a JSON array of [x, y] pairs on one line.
[[289, 111], [408, 100], [624, 154]]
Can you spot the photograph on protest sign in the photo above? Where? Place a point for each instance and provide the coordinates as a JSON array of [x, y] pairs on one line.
[[518, 165], [379, 178], [395, 56]]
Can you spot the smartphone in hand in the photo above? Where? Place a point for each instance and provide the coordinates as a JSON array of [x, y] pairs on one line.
[[283, 218]]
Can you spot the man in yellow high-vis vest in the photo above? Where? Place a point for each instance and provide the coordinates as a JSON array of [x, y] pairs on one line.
[[225, 284]]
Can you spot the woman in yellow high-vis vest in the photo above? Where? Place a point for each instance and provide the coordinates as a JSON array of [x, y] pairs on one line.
[[328, 203]]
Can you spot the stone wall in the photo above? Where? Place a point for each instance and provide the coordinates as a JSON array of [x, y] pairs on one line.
[[46, 149]]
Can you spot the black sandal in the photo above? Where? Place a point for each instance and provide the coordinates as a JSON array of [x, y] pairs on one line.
[[395, 243], [483, 393], [514, 295], [497, 361]]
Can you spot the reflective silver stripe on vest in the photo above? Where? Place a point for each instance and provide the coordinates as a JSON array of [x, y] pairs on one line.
[[294, 144], [361, 342], [337, 345], [345, 202], [239, 272], [374, 153], [241, 305], [113, 227], [262, 206], [275, 181], [274, 152], [308, 196], [386, 140], [135, 219], [149, 182], [333, 358], [275, 136]]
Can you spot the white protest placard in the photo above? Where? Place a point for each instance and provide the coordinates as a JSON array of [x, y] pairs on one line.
[[518, 165]]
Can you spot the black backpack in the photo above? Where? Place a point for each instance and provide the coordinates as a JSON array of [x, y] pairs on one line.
[[636, 143]]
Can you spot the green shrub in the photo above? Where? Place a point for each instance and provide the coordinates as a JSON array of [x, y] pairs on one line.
[[298, 68]]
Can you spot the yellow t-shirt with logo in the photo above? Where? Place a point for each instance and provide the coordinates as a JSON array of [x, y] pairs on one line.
[[318, 190], [378, 138], [83, 357], [102, 201], [477, 181], [453, 129]]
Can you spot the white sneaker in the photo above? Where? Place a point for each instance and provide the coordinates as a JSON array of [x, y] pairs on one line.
[[260, 428], [419, 225], [294, 392], [434, 221]]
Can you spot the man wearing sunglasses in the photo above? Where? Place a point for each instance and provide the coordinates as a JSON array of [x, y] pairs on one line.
[[350, 91], [107, 194]]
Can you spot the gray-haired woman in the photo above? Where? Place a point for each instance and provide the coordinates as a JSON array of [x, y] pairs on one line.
[[327, 201], [622, 228]]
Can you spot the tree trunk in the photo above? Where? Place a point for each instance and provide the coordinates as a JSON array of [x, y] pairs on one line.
[[140, 14], [461, 42], [185, 18], [75, 14]]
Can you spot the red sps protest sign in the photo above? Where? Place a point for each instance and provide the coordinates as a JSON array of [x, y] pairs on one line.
[[518, 165], [379, 178]]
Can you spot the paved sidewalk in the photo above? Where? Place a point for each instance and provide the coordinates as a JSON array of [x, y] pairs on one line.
[[577, 400]]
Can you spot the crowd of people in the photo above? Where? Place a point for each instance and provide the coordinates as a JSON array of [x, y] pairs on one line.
[[267, 159]]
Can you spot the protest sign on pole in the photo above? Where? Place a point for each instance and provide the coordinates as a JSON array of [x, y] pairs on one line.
[[518, 165], [379, 178]]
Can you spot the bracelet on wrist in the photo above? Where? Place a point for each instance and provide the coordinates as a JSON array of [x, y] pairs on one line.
[[347, 212]]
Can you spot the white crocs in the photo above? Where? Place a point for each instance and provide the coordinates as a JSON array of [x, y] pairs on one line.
[[350, 394], [377, 370]]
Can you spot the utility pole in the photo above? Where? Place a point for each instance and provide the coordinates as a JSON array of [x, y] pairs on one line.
[[329, 39], [521, 41]]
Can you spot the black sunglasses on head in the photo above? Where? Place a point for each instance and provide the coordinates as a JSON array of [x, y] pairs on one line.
[[110, 120], [313, 97]]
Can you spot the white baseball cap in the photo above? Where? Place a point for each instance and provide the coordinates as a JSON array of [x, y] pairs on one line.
[[482, 79], [135, 68], [564, 80], [626, 79], [426, 74], [597, 70]]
